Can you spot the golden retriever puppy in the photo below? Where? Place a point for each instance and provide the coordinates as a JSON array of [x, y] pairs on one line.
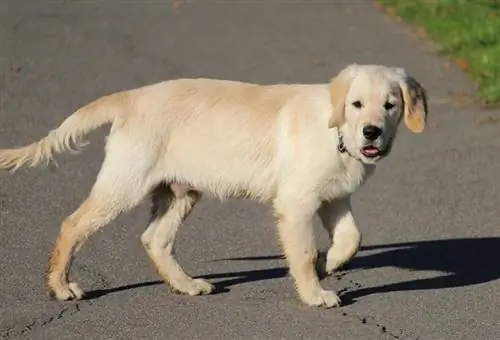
[[304, 148]]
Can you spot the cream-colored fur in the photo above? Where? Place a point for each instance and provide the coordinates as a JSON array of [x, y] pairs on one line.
[[278, 144]]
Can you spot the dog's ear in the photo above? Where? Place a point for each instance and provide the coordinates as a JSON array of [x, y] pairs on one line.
[[415, 102], [339, 87]]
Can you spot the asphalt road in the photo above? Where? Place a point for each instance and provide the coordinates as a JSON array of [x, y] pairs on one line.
[[429, 267]]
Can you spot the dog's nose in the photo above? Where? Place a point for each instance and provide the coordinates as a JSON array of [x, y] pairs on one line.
[[371, 132]]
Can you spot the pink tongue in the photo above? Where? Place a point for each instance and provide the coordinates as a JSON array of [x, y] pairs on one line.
[[371, 151]]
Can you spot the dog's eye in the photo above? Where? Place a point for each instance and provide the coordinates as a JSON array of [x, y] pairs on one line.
[[388, 106], [357, 104]]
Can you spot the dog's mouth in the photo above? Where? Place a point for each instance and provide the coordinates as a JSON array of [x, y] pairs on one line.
[[371, 151]]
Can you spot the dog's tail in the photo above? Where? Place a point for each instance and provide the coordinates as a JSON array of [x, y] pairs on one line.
[[68, 137]]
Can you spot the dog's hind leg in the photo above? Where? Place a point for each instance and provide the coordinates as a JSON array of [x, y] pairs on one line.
[[121, 184], [171, 206]]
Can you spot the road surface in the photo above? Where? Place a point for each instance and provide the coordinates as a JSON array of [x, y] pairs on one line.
[[429, 267]]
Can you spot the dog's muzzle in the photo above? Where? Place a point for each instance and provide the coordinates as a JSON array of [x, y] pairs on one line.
[[369, 151], [372, 151]]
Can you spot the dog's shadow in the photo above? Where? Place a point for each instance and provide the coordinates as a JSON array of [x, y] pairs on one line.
[[458, 263]]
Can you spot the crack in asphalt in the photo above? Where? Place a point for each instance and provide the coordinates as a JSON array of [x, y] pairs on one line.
[[70, 310], [38, 323], [401, 334], [66, 311]]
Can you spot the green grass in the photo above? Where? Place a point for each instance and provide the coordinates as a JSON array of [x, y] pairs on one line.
[[466, 30]]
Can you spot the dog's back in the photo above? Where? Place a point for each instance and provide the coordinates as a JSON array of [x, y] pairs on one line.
[[223, 137]]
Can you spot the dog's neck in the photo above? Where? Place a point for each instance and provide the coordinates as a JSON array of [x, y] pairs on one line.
[[348, 158], [341, 146]]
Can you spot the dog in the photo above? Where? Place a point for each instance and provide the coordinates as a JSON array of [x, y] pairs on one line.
[[303, 148]]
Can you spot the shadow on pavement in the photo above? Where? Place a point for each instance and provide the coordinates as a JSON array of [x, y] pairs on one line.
[[463, 262], [232, 279], [94, 294], [235, 278]]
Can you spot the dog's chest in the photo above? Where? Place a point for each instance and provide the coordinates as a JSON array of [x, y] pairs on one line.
[[345, 179]]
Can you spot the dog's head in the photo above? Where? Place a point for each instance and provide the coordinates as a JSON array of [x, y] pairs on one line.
[[369, 102]]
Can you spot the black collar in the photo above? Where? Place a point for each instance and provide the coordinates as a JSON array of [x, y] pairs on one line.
[[341, 146]]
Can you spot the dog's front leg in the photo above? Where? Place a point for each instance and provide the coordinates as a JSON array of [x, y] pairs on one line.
[[295, 226], [337, 219]]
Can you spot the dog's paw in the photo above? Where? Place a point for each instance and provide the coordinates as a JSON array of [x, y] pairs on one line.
[[321, 266], [327, 266], [334, 260], [71, 291], [321, 298], [333, 265], [194, 287]]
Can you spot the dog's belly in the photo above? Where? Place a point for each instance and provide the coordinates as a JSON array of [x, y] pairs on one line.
[[224, 189], [223, 183]]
